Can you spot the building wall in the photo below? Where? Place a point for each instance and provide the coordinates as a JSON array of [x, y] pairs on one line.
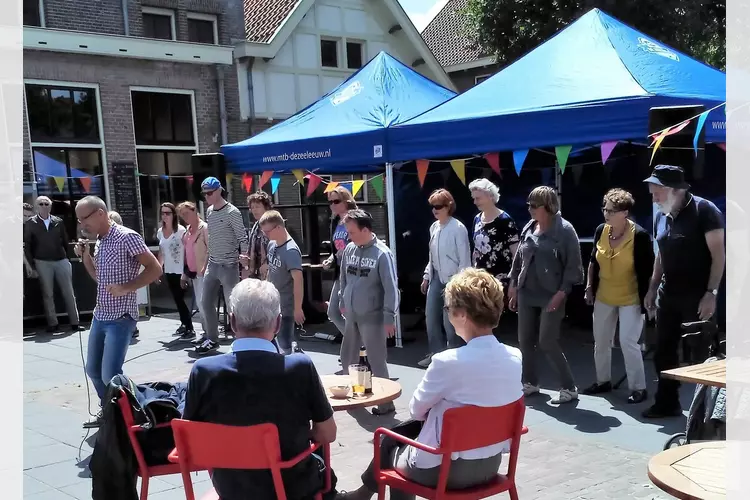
[[464, 80]]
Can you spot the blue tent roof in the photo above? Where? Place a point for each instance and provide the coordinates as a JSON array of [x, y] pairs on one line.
[[344, 131], [593, 81]]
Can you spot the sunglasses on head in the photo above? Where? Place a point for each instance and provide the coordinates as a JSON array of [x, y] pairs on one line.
[[334, 202], [438, 207]]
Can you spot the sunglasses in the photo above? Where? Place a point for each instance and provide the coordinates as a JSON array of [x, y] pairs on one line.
[[607, 211], [438, 207], [209, 193], [269, 230], [44, 204], [167, 213], [334, 202], [533, 206]]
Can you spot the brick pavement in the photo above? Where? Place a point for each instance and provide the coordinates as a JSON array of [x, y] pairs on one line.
[[566, 454]]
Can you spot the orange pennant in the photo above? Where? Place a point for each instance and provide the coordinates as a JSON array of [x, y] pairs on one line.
[[313, 183], [330, 187], [422, 166], [86, 183], [265, 178]]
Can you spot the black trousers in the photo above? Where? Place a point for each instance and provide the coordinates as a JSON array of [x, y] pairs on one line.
[[178, 294], [671, 312]]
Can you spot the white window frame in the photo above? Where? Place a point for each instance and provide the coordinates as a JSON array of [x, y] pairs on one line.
[[199, 16], [477, 77], [361, 43], [73, 145], [162, 90], [156, 11], [338, 52]]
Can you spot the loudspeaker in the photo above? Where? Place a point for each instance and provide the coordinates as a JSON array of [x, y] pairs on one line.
[[677, 149], [208, 165]]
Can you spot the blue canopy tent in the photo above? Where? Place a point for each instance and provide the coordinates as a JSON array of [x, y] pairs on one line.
[[346, 130], [594, 81]]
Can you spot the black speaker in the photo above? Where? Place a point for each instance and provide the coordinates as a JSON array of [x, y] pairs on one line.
[[677, 149], [208, 165]]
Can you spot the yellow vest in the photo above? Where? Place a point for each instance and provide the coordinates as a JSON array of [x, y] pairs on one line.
[[618, 285]]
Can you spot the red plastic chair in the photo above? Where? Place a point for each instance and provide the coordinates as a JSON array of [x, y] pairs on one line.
[[464, 428], [201, 445]]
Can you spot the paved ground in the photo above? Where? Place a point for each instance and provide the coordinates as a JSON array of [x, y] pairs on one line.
[[597, 448]]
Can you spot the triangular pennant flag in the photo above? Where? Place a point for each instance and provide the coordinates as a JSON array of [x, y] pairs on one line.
[[607, 148], [722, 145], [562, 153], [330, 187], [299, 174], [698, 128], [60, 181], [547, 176], [86, 184], [577, 171], [494, 160], [656, 144], [377, 185], [459, 166], [356, 186], [422, 166], [275, 180], [265, 178], [247, 182], [518, 158], [230, 177], [313, 183], [346, 185]]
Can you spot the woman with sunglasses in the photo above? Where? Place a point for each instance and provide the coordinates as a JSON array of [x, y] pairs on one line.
[[341, 201], [172, 260], [618, 277], [545, 268], [448, 255]]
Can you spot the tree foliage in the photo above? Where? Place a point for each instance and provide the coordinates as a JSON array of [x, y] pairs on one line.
[[511, 28]]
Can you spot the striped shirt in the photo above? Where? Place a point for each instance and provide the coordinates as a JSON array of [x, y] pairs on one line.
[[227, 235]]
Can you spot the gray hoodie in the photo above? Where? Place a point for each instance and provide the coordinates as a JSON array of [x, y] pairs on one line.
[[368, 290]]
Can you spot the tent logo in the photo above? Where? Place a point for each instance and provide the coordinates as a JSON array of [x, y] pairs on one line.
[[377, 151], [657, 49], [350, 91]]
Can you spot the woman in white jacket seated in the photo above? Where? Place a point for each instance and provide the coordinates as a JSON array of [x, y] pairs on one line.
[[483, 373], [449, 254]]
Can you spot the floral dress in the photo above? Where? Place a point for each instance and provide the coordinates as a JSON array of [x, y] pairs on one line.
[[492, 242]]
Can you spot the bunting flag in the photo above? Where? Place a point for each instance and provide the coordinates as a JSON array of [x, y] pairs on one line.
[[659, 138], [299, 174], [577, 172], [656, 144], [313, 183], [547, 176], [722, 145], [86, 184], [494, 161], [698, 129], [60, 181], [356, 186], [518, 158], [265, 178], [422, 166], [330, 187], [247, 182], [230, 177], [459, 166], [275, 180], [562, 153], [377, 185], [607, 148], [346, 185]]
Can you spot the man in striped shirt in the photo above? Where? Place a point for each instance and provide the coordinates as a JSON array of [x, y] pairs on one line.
[[227, 239]]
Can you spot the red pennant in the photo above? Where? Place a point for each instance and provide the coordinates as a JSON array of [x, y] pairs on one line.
[[265, 178], [313, 184], [247, 182], [494, 160], [86, 183], [422, 166]]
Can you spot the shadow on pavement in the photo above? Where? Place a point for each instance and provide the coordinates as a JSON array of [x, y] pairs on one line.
[[587, 421]]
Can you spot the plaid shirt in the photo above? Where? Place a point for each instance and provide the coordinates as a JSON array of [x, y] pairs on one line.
[[116, 264]]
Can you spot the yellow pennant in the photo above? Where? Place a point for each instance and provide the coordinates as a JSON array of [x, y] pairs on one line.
[[657, 143], [330, 187], [459, 166], [229, 179], [356, 186], [299, 175], [60, 181]]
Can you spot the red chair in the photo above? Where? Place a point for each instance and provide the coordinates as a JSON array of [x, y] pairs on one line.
[[201, 445], [464, 428]]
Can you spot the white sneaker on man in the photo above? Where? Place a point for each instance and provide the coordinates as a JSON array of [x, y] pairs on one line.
[[529, 389], [426, 361], [565, 396]]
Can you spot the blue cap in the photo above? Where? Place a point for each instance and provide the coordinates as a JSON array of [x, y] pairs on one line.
[[210, 184]]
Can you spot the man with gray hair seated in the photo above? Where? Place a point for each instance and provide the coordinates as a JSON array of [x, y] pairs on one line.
[[255, 384]]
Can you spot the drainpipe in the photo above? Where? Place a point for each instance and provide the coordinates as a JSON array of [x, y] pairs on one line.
[[125, 17], [250, 92], [222, 104]]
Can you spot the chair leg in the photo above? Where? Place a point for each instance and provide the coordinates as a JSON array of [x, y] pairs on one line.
[[513, 493], [381, 492], [144, 487]]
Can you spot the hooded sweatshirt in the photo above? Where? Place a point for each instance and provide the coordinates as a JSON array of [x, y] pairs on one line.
[[368, 290]]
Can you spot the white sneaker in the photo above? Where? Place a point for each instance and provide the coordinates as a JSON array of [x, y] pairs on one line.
[[426, 361], [529, 389], [565, 396]]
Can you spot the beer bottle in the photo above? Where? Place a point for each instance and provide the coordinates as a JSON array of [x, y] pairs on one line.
[[368, 372]]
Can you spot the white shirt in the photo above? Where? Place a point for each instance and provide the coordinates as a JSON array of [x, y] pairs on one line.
[[173, 251], [47, 221], [483, 373]]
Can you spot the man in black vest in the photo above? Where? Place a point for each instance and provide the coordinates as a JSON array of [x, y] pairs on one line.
[[46, 249]]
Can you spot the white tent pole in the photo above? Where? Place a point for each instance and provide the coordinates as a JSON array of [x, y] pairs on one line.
[[391, 207]]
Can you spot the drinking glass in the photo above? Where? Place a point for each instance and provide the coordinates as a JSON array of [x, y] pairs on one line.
[[357, 373]]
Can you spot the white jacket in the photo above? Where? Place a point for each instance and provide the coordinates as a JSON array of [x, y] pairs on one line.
[[449, 250]]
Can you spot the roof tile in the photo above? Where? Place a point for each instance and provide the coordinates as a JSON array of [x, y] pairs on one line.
[[264, 17], [446, 35]]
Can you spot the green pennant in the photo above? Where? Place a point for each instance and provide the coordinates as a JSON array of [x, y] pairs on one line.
[[377, 185], [562, 153]]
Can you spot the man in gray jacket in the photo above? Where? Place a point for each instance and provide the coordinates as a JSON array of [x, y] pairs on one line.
[[369, 297]]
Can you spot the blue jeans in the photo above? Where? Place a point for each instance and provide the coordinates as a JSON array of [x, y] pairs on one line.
[[108, 345], [286, 334], [440, 332]]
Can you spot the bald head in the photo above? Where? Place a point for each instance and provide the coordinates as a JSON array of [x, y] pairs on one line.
[[92, 215]]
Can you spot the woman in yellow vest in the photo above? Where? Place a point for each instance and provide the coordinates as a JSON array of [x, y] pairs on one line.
[[618, 276]]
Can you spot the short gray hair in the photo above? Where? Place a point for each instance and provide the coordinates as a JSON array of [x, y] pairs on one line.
[[255, 305], [115, 217], [487, 187]]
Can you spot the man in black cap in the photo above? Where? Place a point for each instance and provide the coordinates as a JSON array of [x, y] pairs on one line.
[[687, 272]]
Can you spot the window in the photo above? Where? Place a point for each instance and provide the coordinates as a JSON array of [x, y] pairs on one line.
[[479, 79], [162, 119], [158, 23], [353, 55], [62, 114], [202, 28], [32, 13], [329, 53]]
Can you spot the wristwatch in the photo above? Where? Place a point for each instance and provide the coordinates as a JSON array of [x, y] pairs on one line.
[[713, 291]]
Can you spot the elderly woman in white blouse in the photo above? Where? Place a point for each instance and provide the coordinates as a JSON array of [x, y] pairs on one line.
[[483, 373]]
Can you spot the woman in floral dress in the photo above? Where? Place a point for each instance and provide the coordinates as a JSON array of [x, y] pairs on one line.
[[495, 234]]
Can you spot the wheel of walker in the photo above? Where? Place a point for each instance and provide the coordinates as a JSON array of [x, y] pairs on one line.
[[679, 439]]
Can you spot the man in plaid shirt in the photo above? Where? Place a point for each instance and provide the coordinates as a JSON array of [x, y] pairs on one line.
[[116, 267]]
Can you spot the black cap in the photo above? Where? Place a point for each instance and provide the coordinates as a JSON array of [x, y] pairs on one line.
[[668, 176]]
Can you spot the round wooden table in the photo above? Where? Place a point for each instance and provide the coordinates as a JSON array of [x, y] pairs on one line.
[[383, 391], [691, 472]]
